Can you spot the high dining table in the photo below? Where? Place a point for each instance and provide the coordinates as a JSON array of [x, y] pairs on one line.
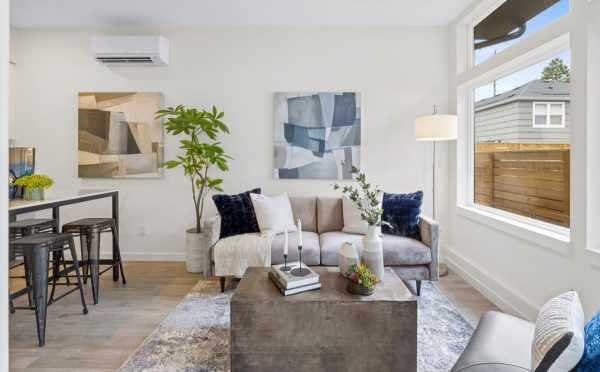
[[59, 198]]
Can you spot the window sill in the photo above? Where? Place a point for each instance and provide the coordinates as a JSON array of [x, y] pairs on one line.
[[557, 239]]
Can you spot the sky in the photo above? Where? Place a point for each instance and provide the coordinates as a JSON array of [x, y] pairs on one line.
[[533, 72]]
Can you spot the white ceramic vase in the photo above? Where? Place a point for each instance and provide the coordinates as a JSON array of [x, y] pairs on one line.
[[197, 251], [347, 256], [372, 252]]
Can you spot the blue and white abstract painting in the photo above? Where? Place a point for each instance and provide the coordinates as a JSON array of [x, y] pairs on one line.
[[317, 135]]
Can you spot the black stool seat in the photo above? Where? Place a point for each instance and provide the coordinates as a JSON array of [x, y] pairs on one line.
[[29, 223], [87, 223], [41, 240]]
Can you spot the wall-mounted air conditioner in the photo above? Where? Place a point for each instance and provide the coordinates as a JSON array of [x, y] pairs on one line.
[[131, 50]]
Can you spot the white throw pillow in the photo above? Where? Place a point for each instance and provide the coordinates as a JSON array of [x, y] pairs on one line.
[[353, 222], [273, 213], [558, 341]]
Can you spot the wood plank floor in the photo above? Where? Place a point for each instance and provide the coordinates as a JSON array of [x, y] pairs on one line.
[[113, 329]]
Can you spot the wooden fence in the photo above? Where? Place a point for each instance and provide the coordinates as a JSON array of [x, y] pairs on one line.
[[530, 180]]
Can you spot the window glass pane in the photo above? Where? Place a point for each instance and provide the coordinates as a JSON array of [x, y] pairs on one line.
[[540, 108], [520, 168], [556, 120], [540, 119], [556, 109], [512, 21]]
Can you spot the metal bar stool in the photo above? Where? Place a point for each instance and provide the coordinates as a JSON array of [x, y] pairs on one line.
[[18, 230], [89, 230], [36, 250]]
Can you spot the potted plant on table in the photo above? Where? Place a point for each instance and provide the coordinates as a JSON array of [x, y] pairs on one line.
[[361, 280], [34, 185], [201, 153], [368, 200]]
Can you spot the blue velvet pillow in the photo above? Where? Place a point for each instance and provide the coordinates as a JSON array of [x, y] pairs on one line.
[[590, 361], [237, 213], [402, 212]]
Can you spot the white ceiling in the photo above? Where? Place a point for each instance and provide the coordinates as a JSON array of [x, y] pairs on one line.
[[287, 13]]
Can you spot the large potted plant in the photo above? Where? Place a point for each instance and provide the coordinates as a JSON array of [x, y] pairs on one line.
[[201, 152], [367, 199]]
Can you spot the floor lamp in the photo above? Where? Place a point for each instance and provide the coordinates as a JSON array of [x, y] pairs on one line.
[[434, 128]]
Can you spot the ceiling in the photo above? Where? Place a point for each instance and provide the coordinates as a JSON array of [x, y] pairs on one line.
[[206, 13]]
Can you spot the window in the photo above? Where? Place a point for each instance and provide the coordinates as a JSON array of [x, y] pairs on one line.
[[514, 141], [548, 114], [511, 21], [519, 168]]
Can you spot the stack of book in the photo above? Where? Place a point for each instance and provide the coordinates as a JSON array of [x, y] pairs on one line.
[[289, 284]]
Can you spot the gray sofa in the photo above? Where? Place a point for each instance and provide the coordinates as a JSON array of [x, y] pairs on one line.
[[322, 223]]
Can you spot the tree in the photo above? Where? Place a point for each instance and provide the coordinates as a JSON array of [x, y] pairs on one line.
[[557, 70], [199, 155]]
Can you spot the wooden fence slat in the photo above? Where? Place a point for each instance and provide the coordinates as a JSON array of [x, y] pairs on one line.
[[527, 179]]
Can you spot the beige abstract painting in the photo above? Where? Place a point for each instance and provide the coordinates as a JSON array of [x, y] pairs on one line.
[[118, 136]]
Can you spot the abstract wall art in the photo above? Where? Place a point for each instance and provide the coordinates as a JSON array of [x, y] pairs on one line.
[[317, 135], [118, 136]]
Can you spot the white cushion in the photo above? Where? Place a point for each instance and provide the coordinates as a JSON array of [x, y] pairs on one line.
[[558, 341], [273, 213], [353, 222]]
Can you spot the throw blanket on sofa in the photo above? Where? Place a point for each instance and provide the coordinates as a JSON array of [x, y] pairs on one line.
[[234, 254]]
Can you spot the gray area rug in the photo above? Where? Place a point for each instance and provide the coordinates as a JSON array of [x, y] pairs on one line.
[[195, 336]]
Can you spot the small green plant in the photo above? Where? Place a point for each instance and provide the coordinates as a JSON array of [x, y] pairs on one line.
[[35, 181], [365, 197], [199, 155], [361, 275]]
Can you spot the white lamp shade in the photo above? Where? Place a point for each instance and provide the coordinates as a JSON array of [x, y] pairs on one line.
[[436, 128]]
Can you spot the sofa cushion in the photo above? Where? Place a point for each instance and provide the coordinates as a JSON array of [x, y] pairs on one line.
[[558, 341], [590, 362], [331, 243], [329, 214], [311, 251], [273, 213], [501, 343], [305, 209], [397, 250], [402, 212], [237, 213]]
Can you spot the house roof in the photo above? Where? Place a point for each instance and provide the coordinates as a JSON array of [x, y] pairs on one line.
[[535, 90]]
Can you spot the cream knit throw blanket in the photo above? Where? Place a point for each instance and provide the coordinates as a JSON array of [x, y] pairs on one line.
[[234, 254]]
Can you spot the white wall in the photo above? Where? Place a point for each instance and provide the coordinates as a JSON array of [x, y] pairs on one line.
[[401, 73], [520, 275]]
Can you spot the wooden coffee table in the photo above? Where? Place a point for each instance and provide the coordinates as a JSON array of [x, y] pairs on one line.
[[323, 330]]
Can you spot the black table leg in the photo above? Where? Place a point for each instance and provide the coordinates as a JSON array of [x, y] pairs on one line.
[[115, 245], [94, 261], [39, 269]]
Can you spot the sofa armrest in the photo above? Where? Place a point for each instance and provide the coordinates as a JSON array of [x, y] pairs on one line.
[[430, 234], [212, 227]]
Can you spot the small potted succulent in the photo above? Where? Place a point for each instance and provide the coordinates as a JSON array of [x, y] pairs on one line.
[[361, 280], [34, 186]]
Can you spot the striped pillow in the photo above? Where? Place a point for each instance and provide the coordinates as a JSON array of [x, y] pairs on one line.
[[559, 336]]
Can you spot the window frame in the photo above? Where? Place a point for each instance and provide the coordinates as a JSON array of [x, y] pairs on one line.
[[544, 44], [548, 124]]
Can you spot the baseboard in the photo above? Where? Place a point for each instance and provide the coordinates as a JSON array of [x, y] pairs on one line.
[[493, 290]]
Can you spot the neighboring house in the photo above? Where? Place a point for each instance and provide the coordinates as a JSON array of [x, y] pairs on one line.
[[537, 112]]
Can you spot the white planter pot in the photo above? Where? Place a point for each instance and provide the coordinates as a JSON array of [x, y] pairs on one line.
[[372, 252], [347, 256], [197, 252]]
